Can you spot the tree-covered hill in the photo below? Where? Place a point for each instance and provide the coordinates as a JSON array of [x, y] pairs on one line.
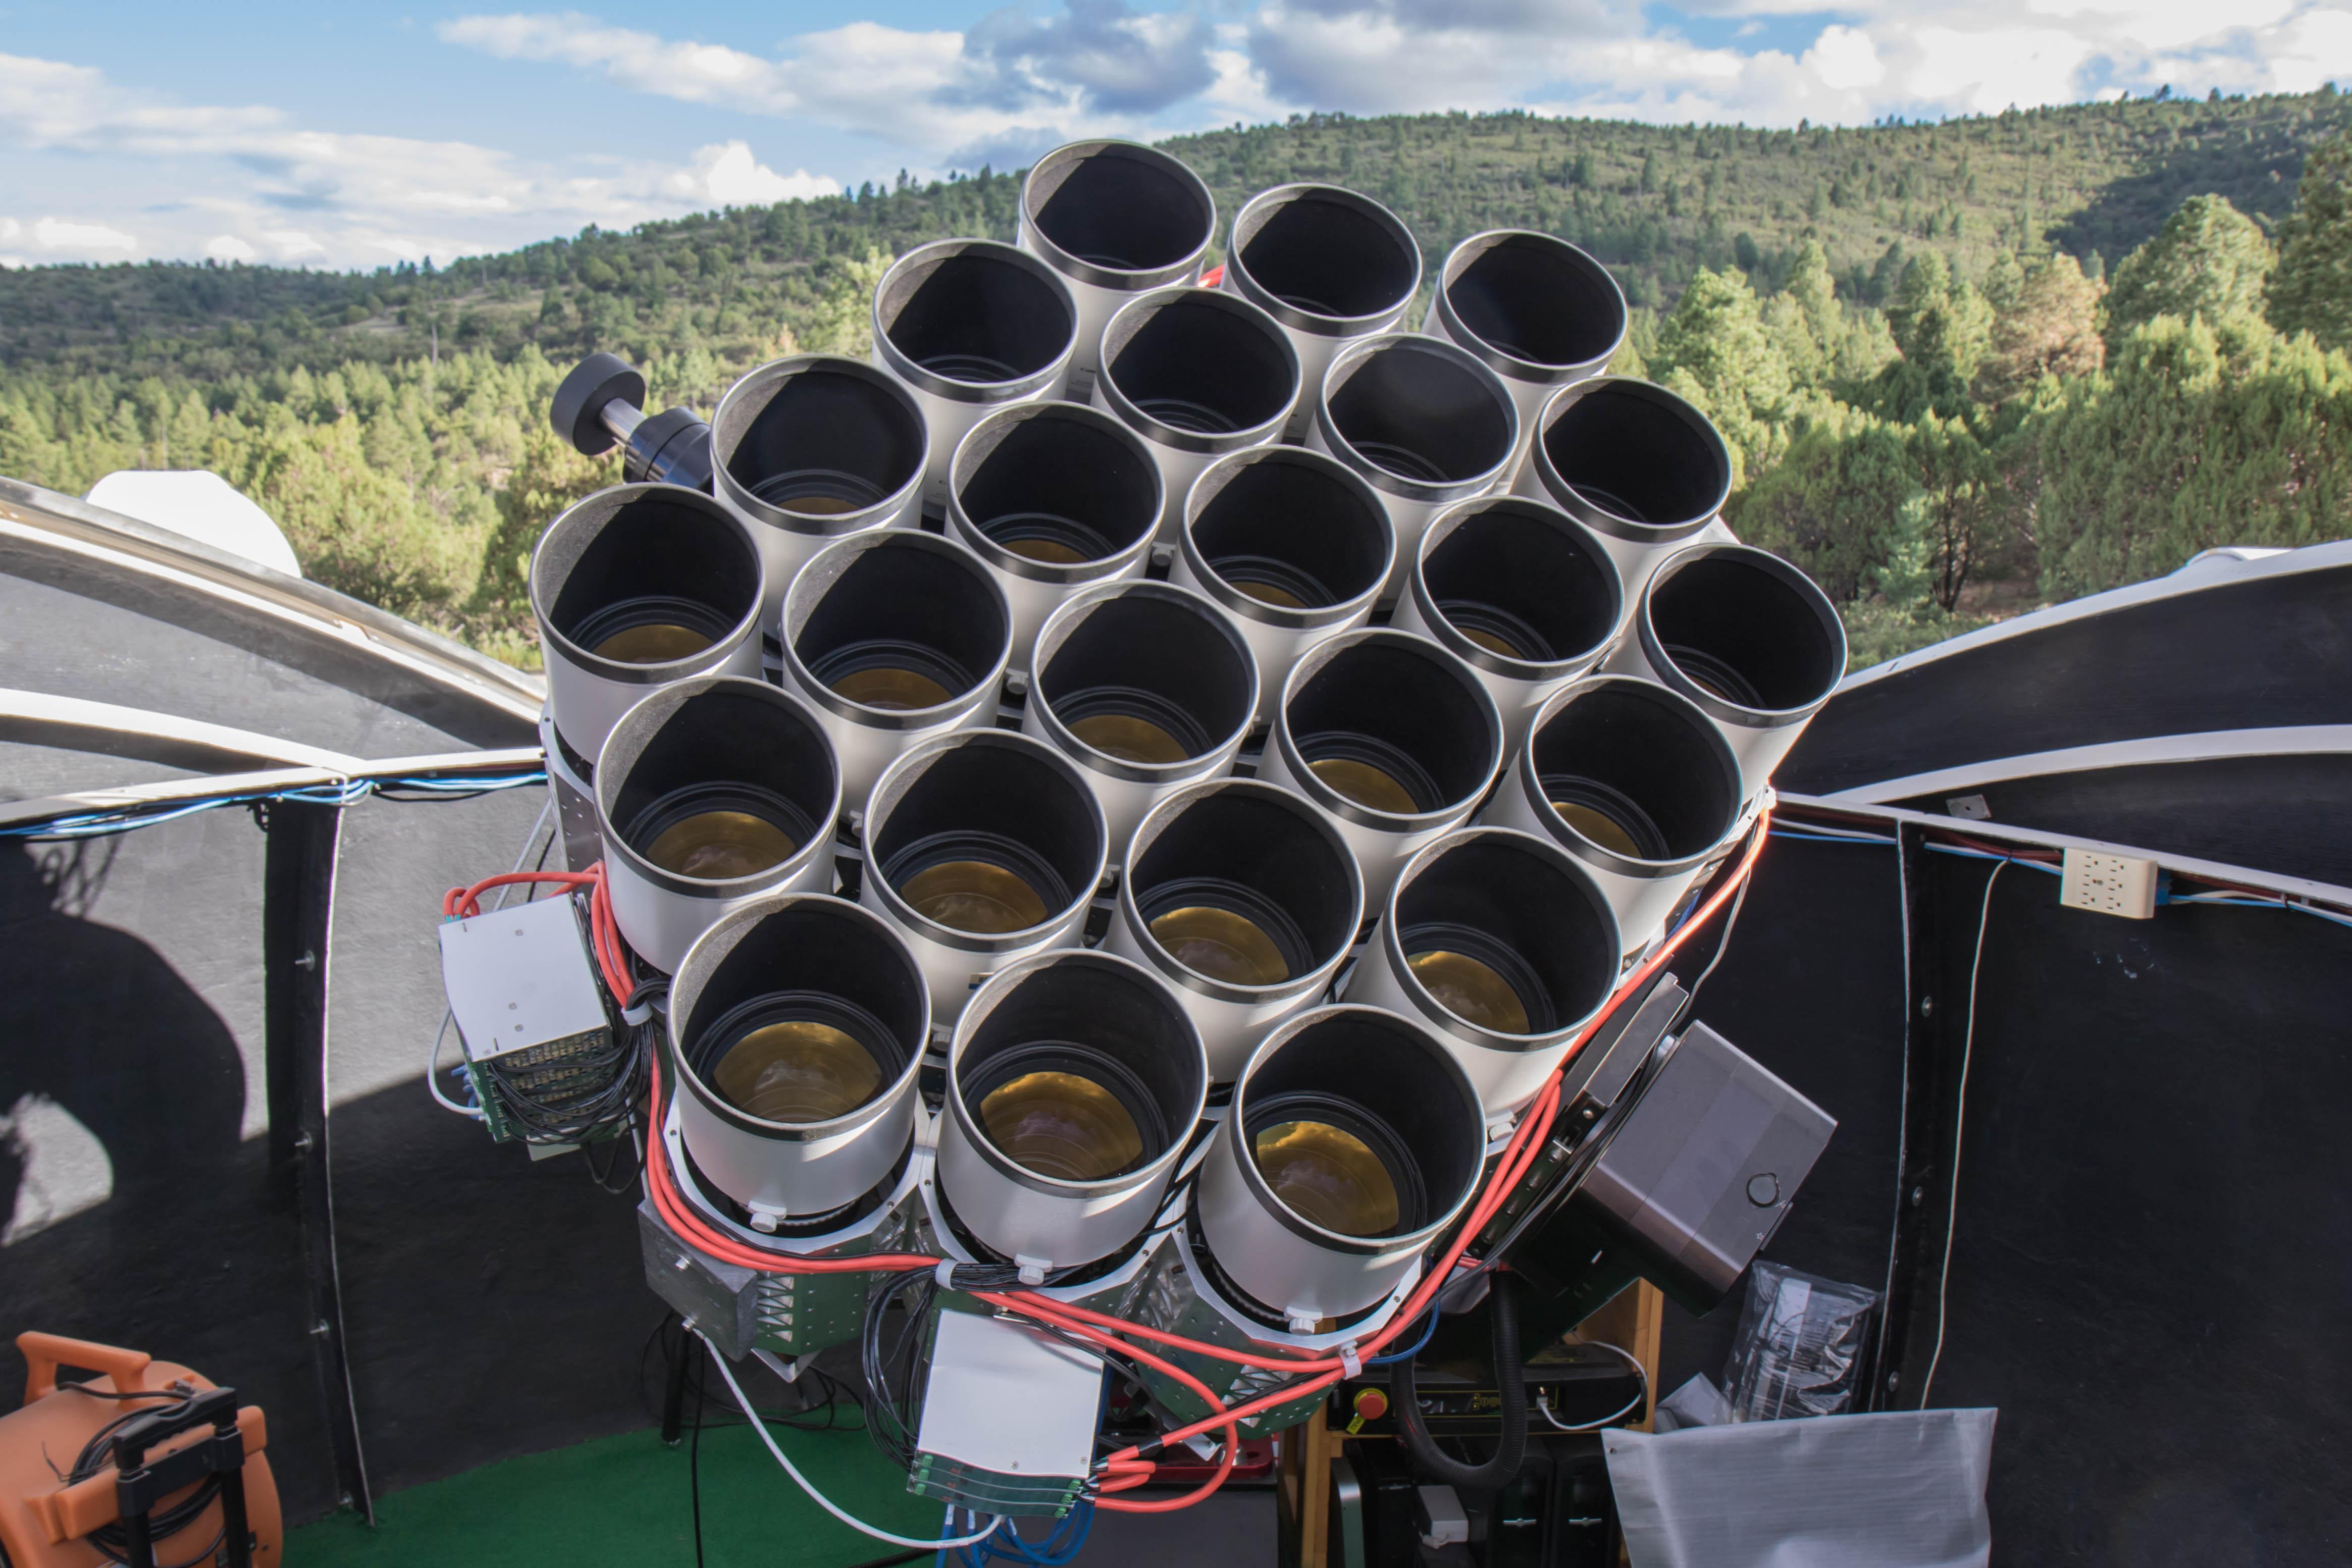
[[1938, 404], [1656, 202]]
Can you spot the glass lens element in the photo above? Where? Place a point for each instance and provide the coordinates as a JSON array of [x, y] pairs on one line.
[[1470, 990], [1129, 739], [1053, 552], [1599, 827], [1062, 1125], [719, 845], [1493, 644], [892, 690], [801, 1071], [1267, 594], [1327, 1177], [657, 643], [821, 505], [975, 896], [1220, 944], [1365, 784]]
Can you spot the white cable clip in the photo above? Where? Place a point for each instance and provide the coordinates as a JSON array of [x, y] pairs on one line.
[[1033, 1269], [638, 1013], [1349, 1362], [941, 1272]]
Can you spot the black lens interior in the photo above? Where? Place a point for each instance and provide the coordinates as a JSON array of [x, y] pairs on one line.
[[1152, 658], [1100, 1022], [1526, 920], [1574, 796], [824, 442], [1242, 852], [1198, 365], [1626, 743], [906, 607], [1052, 478], [1381, 1076], [1739, 628], [1323, 254], [975, 316], [1513, 576], [999, 805], [830, 968], [1539, 300], [653, 561], [1421, 414], [1118, 208], [728, 745], [1390, 706], [1295, 527], [1628, 452]]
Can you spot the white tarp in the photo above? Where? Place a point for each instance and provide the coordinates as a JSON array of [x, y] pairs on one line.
[[1900, 1489]]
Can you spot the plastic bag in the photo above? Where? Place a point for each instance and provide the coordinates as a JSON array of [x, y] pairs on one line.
[[1799, 1348]]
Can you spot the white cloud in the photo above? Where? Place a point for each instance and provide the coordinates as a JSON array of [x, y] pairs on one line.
[[358, 199], [81, 238]]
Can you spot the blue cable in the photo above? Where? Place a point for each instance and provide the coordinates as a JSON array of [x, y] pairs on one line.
[[101, 824], [1419, 1345]]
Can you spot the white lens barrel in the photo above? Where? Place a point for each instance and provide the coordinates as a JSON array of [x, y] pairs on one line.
[[893, 600], [576, 797], [1395, 1085], [1425, 422], [1408, 711], [1196, 373], [972, 326], [1292, 545], [813, 448], [1510, 573], [1093, 1015], [1124, 666], [1750, 639], [1253, 849], [1540, 311], [632, 557], [793, 957], [1328, 265], [1115, 219], [1639, 766], [1053, 497], [717, 743], [1643, 468], [1527, 914], [994, 799]]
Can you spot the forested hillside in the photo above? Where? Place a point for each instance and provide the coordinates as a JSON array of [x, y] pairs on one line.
[[1940, 405]]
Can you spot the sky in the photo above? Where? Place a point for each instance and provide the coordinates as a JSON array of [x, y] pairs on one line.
[[348, 136]]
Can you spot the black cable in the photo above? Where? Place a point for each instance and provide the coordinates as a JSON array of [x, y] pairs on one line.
[[693, 1348], [1511, 1392], [112, 1541]]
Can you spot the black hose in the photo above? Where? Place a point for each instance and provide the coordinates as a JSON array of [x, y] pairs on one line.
[[1511, 1390]]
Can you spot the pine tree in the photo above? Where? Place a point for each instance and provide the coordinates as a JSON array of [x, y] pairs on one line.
[[2312, 289], [2049, 326], [2209, 259]]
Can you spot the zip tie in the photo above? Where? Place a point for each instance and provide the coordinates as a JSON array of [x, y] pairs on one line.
[[1349, 1361]]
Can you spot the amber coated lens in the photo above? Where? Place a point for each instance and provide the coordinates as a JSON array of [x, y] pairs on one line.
[[1051, 551], [1327, 1177], [1470, 990], [1062, 1125], [1220, 944], [657, 643], [1267, 594], [1365, 784], [892, 690], [975, 896], [820, 505], [717, 845], [802, 1071], [1599, 827], [1129, 739], [1493, 644]]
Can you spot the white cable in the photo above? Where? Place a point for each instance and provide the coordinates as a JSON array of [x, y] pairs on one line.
[[433, 1052], [1543, 1398], [822, 1500], [1960, 1125]]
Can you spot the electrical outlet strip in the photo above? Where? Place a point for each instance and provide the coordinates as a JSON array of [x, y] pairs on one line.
[[2108, 884]]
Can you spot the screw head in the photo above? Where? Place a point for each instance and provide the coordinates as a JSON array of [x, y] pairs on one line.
[[1918, 1196], [1893, 1380], [1927, 1006]]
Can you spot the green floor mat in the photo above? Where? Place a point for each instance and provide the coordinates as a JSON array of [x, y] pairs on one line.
[[624, 1501]]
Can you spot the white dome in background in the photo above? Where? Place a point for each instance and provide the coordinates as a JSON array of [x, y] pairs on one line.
[[198, 504]]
